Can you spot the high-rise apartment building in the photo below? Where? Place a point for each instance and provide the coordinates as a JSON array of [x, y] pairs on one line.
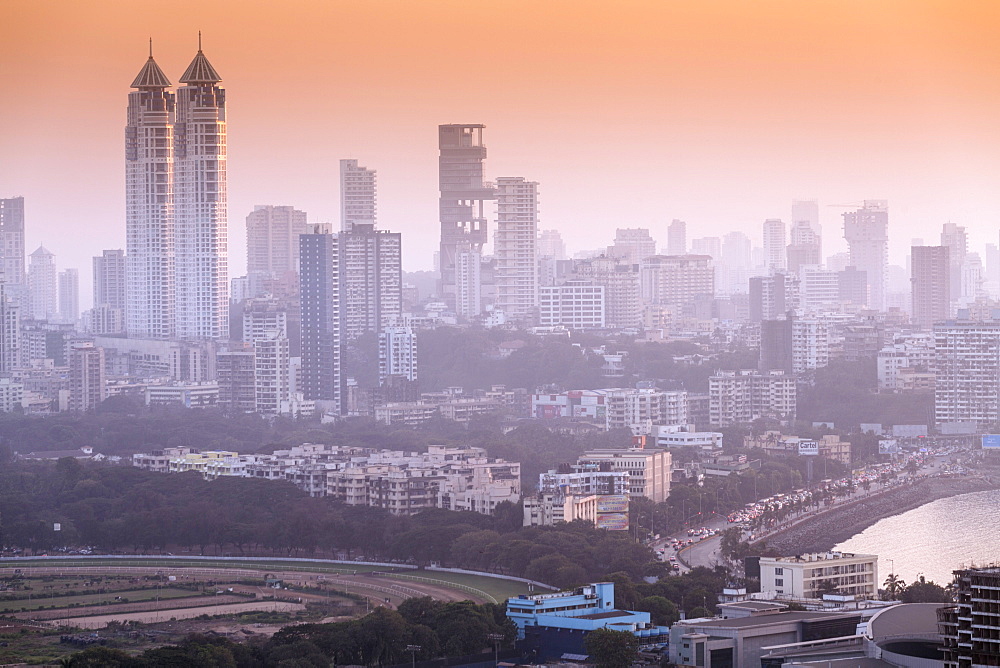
[[69, 295], [804, 248], [176, 229], [733, 269], [772, 297], [807, 211], [632, 245], [968, 626], [956, 240], [272, 373], [397, 354], [261, 317], [371, 278], [464, 194], [199, 204], [744, 396], [774, 245], [237, 386], [576, 305], [149, 205], [867, 233], [109, 279], [515, 251], [10, 332], [357, 195], [622, 304], [319, 285], [12, 248], [550, 244], [676, 280], [87, 386], [967, 360], [273, 245], [677, 237], [43, 285], [930, 270], [467, 273]]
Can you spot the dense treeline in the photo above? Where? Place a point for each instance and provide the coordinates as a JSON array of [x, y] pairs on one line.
[[431, 628], [123, 509]]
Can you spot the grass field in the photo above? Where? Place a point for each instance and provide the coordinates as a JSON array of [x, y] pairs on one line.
[[499, 588], [41, 600]]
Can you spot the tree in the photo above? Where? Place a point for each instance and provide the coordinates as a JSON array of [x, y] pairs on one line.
[[826, 587], [924, 591], [103, 657], [611, 649], [894, 586], [662, 611]]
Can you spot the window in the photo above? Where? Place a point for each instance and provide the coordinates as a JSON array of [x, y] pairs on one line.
[[779, 582], [779, 571]]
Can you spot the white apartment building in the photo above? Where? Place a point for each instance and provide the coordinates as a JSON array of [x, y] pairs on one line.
[[273, 243], [810, 345], [584, 483], [262, 318], [576, 304], [967, 362], [515, 253], [677, 436], [633, 245], [272, 373], [640, 409], [357, 195], [468, 283], [744, 396], [648, 469], [397, 353], [819, 289], [548, 508], [807, 575], [676, 280], [622, 305]]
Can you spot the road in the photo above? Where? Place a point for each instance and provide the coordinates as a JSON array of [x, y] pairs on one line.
[[705, 552]]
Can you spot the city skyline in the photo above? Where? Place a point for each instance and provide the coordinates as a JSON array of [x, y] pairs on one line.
[[718, 116]]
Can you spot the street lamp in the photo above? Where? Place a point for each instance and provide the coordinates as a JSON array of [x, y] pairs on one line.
[[496, 638], [413, 649]]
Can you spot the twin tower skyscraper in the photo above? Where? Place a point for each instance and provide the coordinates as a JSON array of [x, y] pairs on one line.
[[175, 205]]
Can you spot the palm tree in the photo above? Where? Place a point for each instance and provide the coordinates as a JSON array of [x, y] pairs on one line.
[[894, 586]]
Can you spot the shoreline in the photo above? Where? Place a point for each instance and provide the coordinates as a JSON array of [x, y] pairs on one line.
[[822, 533]]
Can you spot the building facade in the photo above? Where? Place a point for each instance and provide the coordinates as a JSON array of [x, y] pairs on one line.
[[515, 247], [812, 575], [931, 276], [357, 195], [867, 233], [319, 285]]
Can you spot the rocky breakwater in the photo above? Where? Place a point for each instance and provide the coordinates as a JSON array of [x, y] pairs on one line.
[[825, 530]]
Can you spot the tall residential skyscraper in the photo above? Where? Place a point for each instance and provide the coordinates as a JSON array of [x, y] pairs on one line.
[[464, 194], [42, 285], [200, 223], [550, 244], [867, 233], [12, 241], [149, 201], [931, 284], [804, 248], [677, 237], [371, 278], [516, 272], [87, 386], [954, 237], [69, 295], [632, 245], [807, 211], [774, 245], [109, 279], [319, 289], [273, 245], [357, 195], [108, 313]]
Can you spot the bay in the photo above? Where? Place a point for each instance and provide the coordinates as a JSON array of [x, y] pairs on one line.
[[934, 539]]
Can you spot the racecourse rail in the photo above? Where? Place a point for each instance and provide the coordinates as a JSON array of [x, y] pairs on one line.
[[252, 566]]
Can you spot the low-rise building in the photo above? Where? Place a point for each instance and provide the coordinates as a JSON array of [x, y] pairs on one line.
[[554, 625], [648, 469], [812, 575], [744, 396], [189, 395]]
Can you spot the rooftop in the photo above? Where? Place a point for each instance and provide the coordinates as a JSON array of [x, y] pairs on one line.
[[761, 620]]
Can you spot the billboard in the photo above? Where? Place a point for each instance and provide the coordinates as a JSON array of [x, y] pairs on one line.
[[991, 441], [808, 448], [888, 446], [612, 503], [613, 521]]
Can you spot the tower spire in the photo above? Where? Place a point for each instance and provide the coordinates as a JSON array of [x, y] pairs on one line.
[[151, 77], [200, 71]]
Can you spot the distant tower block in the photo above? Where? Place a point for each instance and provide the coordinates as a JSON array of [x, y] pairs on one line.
[[463, 198]]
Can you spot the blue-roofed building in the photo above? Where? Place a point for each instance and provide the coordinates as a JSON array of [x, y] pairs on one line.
[[552, 625]]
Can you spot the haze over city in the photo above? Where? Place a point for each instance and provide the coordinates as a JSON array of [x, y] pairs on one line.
[[657, 334], [628, 115]]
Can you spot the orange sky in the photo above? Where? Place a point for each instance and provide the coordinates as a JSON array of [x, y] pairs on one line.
[[628, 114]]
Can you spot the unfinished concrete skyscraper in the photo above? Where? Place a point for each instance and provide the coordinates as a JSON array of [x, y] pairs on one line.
[[463, 198]]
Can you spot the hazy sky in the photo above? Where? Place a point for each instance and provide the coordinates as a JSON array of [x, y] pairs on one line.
[[628, 114]]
